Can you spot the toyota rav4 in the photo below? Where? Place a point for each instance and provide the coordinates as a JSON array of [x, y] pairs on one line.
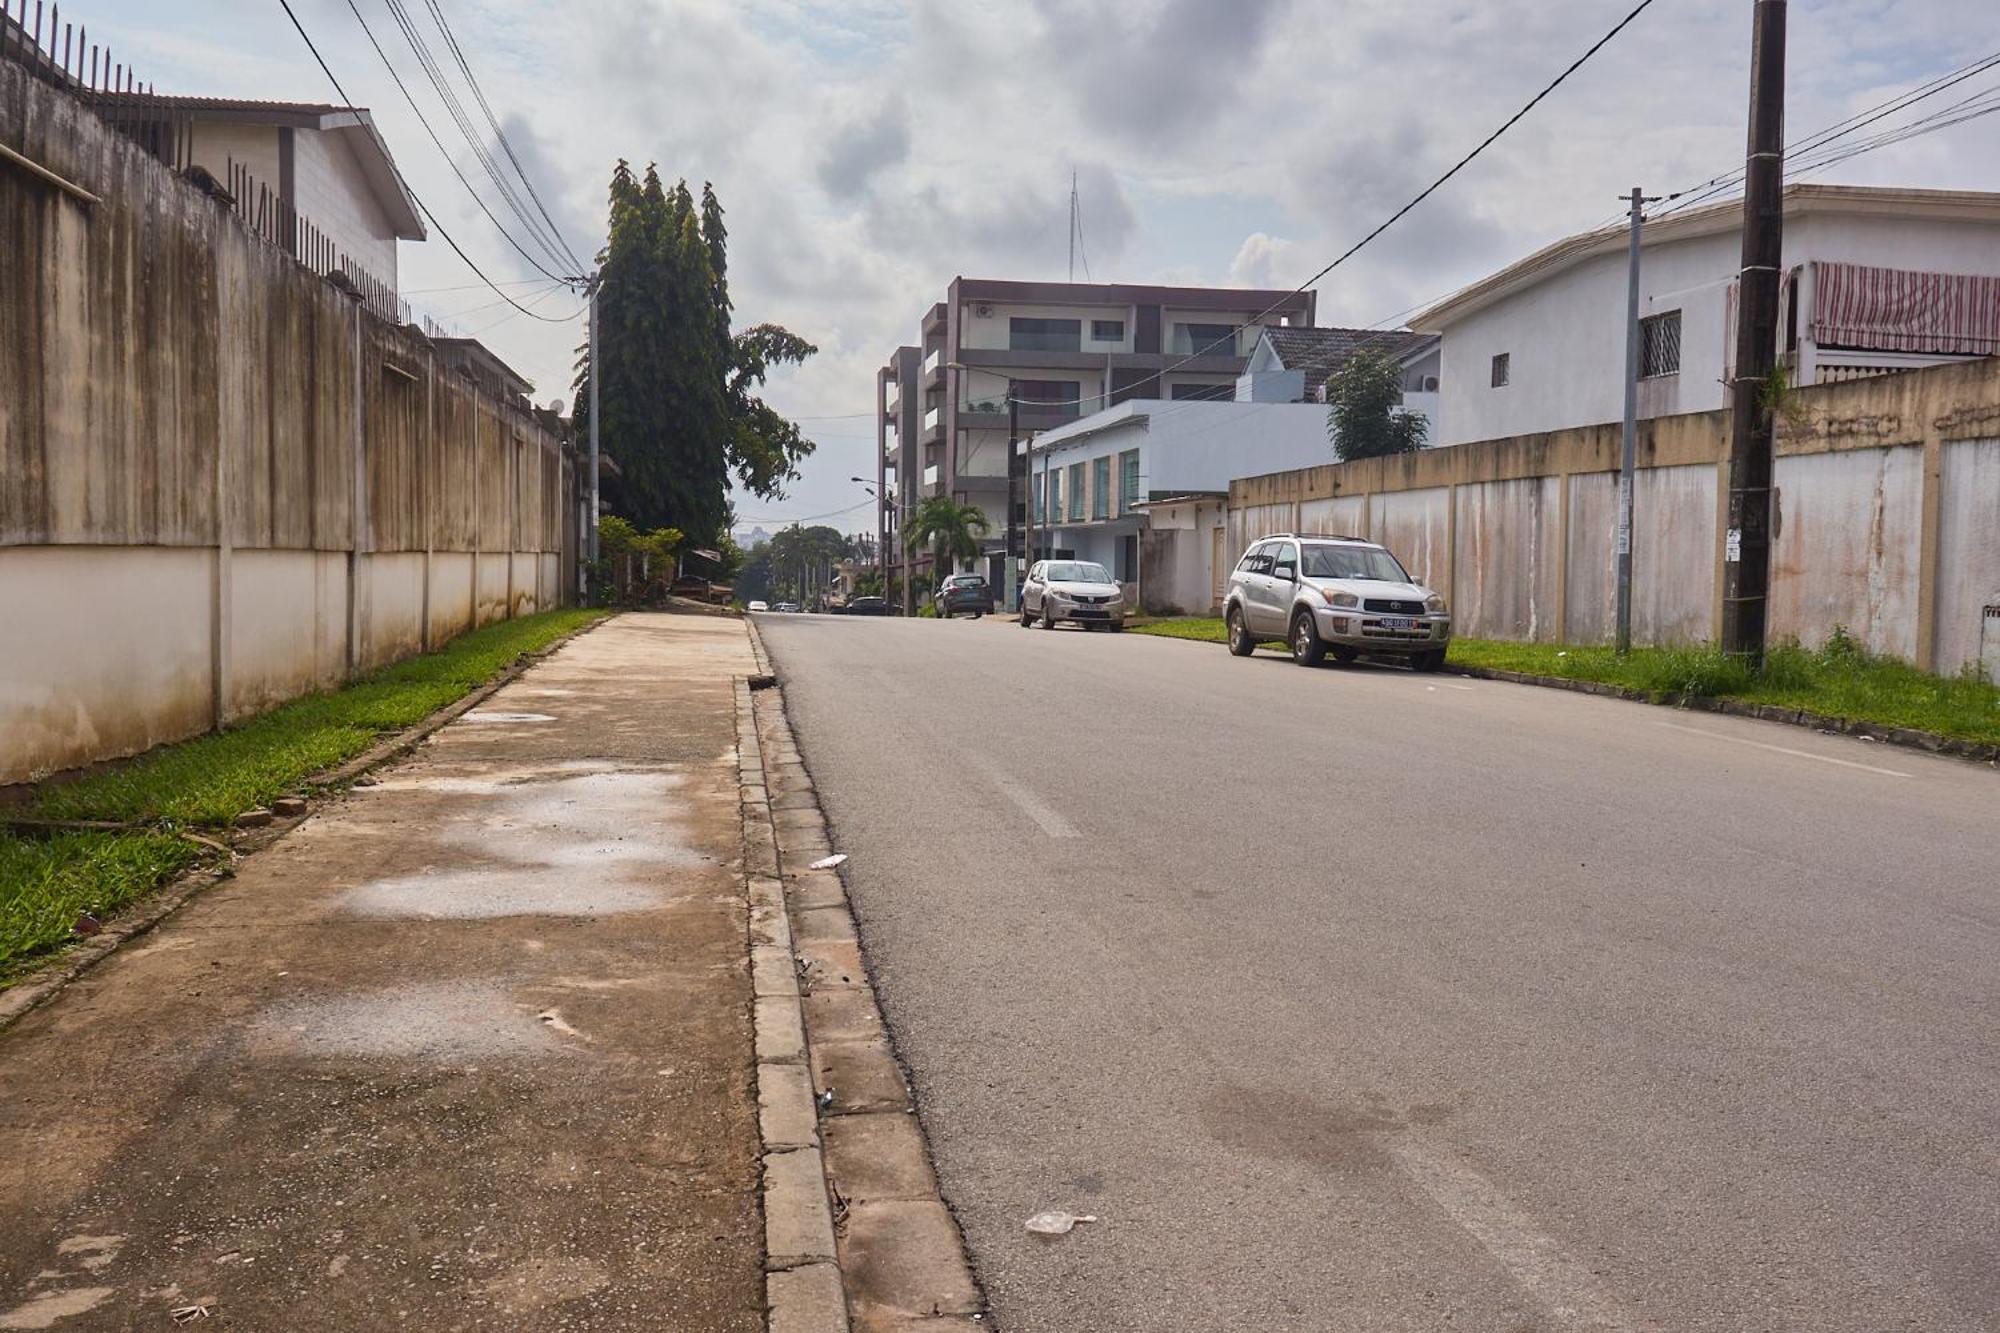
[[1338, 596]]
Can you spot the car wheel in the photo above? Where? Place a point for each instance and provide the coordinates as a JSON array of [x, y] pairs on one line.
[[1048, 621], [1240, 642], [1431, 661], [1344, 656], [1307, 646], [977, 614], [1026, 619]]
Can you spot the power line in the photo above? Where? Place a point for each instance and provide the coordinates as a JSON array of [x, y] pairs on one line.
[[458, 54], [433, 71], [421, 206], [442, 150]]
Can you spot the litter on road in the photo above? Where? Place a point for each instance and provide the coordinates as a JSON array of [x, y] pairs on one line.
[[829, 862], [1056, 1224]]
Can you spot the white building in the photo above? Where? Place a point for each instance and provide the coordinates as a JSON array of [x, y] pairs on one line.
[[1876, 280], [327, 164], [1291, 365], [1092, 483]]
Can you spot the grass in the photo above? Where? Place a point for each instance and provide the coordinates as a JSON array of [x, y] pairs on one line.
[[47, 882], [1837, 680]]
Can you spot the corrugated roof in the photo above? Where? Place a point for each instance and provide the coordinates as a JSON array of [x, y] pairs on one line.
[[1318, 352]]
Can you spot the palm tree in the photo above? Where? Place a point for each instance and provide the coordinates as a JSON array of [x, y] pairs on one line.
[[952, 530]]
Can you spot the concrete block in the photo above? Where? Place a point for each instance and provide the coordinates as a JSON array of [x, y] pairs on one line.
[[772, 971], [843, 1013], [831, 925], [831, 964], [815, 888], [906, 1258], [863, 1074], [798, 1223], [781, 1035], [770, 925], [806, 1299], [877, 1156], [786, 1116]]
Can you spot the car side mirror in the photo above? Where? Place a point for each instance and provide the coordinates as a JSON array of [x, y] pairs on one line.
[[1289, 573]]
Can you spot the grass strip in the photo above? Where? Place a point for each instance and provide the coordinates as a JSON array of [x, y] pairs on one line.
[[1838, 679], [46, 883]]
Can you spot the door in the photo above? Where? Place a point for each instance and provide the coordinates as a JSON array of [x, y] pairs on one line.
[[1031, 591], [1275, 605]]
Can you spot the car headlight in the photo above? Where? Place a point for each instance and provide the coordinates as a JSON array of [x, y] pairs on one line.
[[1060, 596], [1434, 602], [1340, 598]]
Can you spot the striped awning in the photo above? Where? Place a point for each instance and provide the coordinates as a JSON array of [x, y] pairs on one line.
[[1902, 310]]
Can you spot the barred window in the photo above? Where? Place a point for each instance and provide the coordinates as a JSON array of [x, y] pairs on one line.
[[1660, 345], [1128, 480], [1501, 367]]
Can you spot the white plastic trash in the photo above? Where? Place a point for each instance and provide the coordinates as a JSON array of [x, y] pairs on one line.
[[829, 862], [1056, 1224]]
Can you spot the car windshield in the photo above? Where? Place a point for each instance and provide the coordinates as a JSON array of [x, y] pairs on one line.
[[964, 581], [1353, 562], [1078, 571]]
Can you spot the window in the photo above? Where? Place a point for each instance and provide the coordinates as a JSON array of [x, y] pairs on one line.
[[1257, 560], [1353, 562], [1037, 486], [1128, 480], [1500, 369], [1107, 330], [1062, 396], [1100, 487], [1203, 393], [1045, 335], [1285, 561], [1075, 510], [1208, 340], [1660, 345], [1055, 494]]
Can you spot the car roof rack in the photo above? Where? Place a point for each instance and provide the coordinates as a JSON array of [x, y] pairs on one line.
[[1316, 537]]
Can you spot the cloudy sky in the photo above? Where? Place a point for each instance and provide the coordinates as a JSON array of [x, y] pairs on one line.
[[869, 150]]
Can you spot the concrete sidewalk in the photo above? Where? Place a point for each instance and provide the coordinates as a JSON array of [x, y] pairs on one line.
[[469, 1049]]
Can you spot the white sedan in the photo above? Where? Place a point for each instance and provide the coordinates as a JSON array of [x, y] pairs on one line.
[[1079, 591]]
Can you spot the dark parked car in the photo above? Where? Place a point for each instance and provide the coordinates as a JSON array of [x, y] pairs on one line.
[[867, 606], [963, 592]]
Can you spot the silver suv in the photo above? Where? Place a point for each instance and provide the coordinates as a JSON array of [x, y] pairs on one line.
[[1333, 595]]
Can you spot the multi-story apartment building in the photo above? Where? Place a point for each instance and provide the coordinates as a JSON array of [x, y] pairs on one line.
[[1064, 350]]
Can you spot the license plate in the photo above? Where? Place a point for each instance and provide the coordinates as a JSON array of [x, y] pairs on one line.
[[1088, 611], [1398, 622]]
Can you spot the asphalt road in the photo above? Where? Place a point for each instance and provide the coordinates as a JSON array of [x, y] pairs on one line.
[[1356, 999]]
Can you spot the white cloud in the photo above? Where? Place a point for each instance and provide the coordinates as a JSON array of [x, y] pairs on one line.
[[869, 150]]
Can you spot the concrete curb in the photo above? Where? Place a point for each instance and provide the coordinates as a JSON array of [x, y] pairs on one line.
[[803, 1289], [1907, 737], [899, 1253], [765, 677], [46, 982]]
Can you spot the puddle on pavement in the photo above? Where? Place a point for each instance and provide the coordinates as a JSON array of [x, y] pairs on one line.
[[440, 1020], [584, 843], [478, 715]]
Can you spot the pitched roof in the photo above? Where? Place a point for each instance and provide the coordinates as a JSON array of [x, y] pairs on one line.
[[353, 122], [1318, 351], [1801, 198]]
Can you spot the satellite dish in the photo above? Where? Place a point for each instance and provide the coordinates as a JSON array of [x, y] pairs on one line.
[[556, 406]]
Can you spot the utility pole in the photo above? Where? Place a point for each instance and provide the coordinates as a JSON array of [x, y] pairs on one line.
[[1010, 581], [1628, 446], [1746, 552], [597, 373]]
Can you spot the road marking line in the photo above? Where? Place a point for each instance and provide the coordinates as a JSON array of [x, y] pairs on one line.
[[1780, 749], [1531, 1257], [1051, 823]]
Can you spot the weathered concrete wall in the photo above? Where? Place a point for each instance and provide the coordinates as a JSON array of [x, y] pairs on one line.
[[222, 482], [1888, 520]]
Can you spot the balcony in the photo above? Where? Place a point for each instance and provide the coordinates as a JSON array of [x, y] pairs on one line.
[[933, 418], [934, 360], [931, 475]]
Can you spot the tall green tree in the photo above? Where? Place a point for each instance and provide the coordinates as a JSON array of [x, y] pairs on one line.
[[1364, 416], [952, 531], [679, 407]]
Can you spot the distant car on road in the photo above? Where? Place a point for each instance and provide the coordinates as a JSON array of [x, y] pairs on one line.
[[789, 608], [963, 592], [760, 606], [867, 606], [1338, 596], [1079, 591]]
